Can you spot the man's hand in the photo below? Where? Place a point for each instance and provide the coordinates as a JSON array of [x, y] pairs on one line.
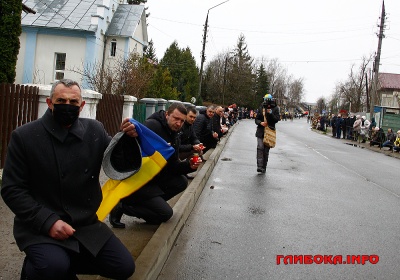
[[264, 124], [60, 230], [198, 148], [215, 135], [128, 128], [195, 165]]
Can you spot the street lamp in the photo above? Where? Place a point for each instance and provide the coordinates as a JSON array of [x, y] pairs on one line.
[[204, 47]]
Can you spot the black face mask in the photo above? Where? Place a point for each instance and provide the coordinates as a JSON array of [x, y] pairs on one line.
[[65, 114]]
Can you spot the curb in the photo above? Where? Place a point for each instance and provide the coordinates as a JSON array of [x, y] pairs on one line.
[[151, 260]]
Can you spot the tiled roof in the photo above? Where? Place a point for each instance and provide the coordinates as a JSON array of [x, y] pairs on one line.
[[125, 20], [65, 14], [389, 81]]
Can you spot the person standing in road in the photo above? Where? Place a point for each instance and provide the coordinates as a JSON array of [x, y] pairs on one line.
[[51, 183], [350, 132], [365, 126], [272, 116], [333, 125], [338, 125]]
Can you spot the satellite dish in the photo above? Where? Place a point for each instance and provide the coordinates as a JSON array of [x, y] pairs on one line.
[[193, 99]]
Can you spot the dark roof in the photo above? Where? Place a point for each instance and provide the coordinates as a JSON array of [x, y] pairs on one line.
[[389, 81], [125, 20], [65, 14]]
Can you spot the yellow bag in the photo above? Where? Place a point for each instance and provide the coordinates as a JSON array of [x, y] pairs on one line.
[[269, 134]]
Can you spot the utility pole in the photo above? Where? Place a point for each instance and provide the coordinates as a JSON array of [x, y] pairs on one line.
[[203, 56], [366, 90], [224, 84], [374, 92]]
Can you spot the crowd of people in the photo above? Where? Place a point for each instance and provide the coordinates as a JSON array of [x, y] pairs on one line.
[[357, 128], [51, 182]]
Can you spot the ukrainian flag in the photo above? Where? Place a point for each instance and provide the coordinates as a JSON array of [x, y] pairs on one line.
[[155, 153]]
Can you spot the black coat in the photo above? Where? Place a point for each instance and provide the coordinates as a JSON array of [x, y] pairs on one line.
[[157, 122], [203, 127], [188, 138], [52, 173], [216, 125], [272, 119]]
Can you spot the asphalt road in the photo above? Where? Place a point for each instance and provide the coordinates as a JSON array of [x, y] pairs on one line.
[[319, 197]]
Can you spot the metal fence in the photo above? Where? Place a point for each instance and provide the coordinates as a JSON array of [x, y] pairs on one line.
[[109, 112], [139, 112], [18, 105]]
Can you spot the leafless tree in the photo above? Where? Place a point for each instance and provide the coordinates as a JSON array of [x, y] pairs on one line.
[[295, 91], [352, 92], [321, 104], [129, 77]]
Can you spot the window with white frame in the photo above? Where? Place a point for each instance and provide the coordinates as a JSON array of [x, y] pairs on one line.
[[113, 47], [59, 65]]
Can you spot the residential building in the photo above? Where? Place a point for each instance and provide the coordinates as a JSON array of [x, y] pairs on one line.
[[65, 38], [389, 90]]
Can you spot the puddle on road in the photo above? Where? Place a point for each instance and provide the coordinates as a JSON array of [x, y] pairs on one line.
[[256, 210], [226, 159]]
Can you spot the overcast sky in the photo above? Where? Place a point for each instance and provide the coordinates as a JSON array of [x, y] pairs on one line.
[[317, 40]]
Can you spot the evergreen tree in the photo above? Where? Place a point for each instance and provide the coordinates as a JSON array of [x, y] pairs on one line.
[[241, 76], [151, 52], [10, 30], [161, 85], [182, 66], [137, 2], [262, 83]]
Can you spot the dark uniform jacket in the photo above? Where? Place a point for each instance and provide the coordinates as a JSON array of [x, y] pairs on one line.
[[203, 127], [188, 138], [272, 119], [51, 174], [157, 122]]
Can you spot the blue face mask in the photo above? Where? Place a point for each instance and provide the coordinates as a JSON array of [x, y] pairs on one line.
[[65, 114]]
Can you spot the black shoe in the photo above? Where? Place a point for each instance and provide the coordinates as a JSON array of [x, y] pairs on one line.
[[261, 170], [115, 216]]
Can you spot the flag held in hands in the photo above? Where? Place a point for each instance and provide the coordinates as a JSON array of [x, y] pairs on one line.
[[148, 154]]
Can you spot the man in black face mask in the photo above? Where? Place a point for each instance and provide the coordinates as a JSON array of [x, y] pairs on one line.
[[65, 103], [51, 183]]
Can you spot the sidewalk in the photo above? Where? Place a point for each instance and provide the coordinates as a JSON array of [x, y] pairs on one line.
[[358, 144]]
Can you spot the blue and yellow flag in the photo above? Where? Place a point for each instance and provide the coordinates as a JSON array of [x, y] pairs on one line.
[[155, 153]]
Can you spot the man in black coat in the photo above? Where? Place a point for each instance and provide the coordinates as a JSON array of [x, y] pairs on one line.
[[189, 143], [203, 127], [350, 132], [51, 183], [268, 116], [333, 125], [219, 122], [150, 202]]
